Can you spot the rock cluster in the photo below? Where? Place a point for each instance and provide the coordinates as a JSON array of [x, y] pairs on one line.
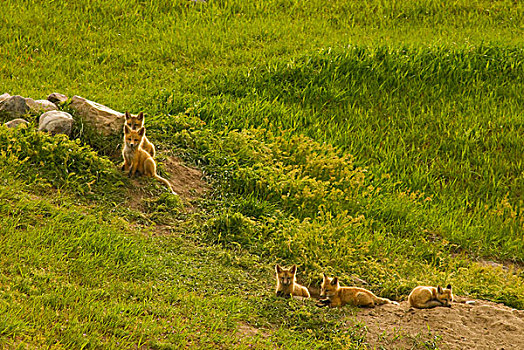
[[54, 121], [13, 106], [104, 119], [16, 122]]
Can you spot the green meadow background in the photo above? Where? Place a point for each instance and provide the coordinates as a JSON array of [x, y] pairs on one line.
[[370, 139]]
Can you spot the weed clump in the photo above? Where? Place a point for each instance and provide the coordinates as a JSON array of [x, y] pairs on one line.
[[286, 197], [294, 172], [56, 161]]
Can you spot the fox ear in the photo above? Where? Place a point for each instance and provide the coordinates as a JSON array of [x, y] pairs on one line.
[[278, 269], [324, 276], [127, 129], [449, 286], [293, 269], [127, 115], [334, 281], [439, 289], [141, 131], [140, 116]]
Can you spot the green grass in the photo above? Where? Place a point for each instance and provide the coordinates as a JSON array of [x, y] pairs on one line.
[[445, 123], [372, 139], [89, 280], [77, 47]]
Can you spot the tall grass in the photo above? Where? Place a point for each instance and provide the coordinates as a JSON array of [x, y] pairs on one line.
[[378, 139], [444, 123], [119, 52], [56, 161], [296, 200], [432, 116]]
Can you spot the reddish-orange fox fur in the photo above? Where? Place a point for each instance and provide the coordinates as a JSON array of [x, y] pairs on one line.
[[135, 123], [423, 297], [137, 159], [340, 296], [286, 283]]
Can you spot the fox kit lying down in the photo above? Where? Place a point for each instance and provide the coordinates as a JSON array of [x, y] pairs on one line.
[[136, 123], [286, 283], [339, 296], [423, 297], [136, 159]]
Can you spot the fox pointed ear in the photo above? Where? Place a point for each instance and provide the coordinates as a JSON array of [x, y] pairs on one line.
[[127, 115], [140, 116], [141, 131], [278, 269], [293, 269], [127, 129], [324, 276], [334, 281], [449, 286], [439, 289]]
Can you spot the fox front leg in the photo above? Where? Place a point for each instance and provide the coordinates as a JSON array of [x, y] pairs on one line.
[[323, 303], [125, 166], [132, 169], [283, 294]]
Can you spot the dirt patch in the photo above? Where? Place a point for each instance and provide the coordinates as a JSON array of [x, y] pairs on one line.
[[504, 265], [482, 325], [245, 330], [187, 182]]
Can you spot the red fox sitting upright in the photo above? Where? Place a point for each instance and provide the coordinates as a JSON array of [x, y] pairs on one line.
[[136, 159], [135, 123]]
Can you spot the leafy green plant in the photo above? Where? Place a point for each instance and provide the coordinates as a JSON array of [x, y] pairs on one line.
[[57, 161], [370, 139]]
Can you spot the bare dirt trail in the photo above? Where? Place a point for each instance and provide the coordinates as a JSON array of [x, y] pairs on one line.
[[186, 181], [481, 325]]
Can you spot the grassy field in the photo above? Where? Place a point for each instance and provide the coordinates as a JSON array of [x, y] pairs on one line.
[[377, 139]]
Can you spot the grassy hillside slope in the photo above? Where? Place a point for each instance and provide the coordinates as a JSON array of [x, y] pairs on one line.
[[377, 140]]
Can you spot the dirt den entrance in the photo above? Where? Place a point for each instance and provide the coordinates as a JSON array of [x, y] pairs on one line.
[[187, 182], [479, 325]]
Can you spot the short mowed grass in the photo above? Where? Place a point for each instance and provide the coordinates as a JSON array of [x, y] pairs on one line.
[[378, 140]]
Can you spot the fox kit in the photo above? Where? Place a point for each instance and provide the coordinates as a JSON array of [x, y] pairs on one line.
[[136, 159], [423, 297], [136, 123], [286, 283], [339, 296]]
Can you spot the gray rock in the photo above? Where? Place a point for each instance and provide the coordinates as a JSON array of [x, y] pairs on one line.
[[104, 119], [16, 123], [56, 122], [39, 106], [14, 107], [4, 96], [57, 98]]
